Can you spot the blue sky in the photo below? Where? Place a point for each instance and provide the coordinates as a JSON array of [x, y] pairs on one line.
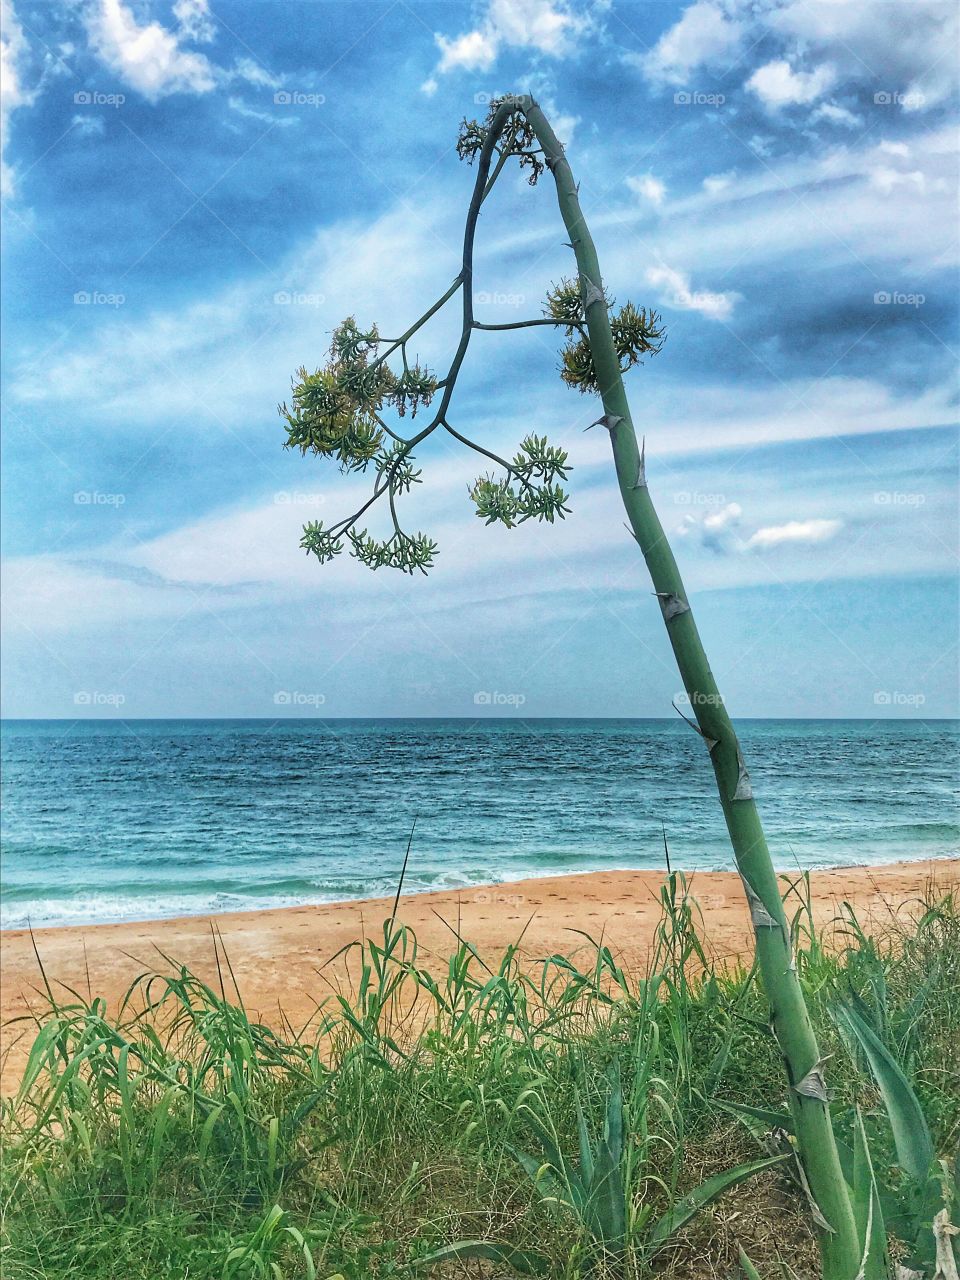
[[195, 193]]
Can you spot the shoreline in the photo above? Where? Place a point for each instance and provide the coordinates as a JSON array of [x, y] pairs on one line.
[[279, 954], [180, 917]]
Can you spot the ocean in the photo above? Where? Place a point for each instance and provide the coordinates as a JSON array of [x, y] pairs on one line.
[[119, 820]]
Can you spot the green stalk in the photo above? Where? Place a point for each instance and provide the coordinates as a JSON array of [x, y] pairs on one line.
[[789, 1017]]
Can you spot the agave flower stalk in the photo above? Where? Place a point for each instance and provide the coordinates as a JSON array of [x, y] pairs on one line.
[[344, 420]]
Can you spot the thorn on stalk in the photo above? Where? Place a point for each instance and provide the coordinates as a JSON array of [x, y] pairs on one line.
[[744, 787], [591, 293], [671, 604], [760, 917], [641, 480], [711, 742], [813, 1084], [609, 420]]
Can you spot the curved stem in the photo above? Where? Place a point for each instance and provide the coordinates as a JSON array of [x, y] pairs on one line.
[[789, 1017], [529, 324]]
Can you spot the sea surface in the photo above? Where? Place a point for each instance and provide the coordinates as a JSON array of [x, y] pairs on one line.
[[118, 820]]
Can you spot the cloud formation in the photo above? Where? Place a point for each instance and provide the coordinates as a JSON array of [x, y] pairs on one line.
[[794, 532], [150, 58], [777, 84], [544, 26]]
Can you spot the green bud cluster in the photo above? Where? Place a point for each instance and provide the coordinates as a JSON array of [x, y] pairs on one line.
[[636, 332], [400, 551], [530, 488], [517, 139], [335, 409]]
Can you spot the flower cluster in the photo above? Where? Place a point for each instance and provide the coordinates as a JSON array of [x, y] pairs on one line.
[[516, 139], [529, 489], [335, 410], [636, 332]]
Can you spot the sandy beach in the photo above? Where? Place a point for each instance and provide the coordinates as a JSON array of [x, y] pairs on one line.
[[276, 954]]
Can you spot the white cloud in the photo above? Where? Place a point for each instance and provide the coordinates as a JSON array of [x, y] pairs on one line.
[[546, 26], [887, 180], [777, 85], [88, 126], [194, 20], [251, 113], [724, 518], [676, 292], [883, 46], [836, 115], [255, 74], [147, 58], [704, 36], [886, 47], [649, 188], [794, 532], [715, 530], [475, 51], [717, 182], [13, 92]]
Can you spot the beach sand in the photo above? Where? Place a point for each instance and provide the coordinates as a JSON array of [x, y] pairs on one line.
[[276, 954]]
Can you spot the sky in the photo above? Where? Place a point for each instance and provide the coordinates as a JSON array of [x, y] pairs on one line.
[[195, 193]]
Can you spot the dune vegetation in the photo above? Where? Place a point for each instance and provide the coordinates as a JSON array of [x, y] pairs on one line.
[[554, 1117]]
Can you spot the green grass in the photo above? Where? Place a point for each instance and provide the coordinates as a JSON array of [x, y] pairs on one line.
[[191, 1142]]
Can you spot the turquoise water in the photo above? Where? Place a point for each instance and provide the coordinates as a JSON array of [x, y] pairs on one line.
[[114, 820]]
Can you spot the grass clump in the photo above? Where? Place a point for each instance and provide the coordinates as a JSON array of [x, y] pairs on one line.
[[555, 1114]]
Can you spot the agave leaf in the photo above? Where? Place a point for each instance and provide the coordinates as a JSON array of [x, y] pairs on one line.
[[749, 1270], [527, 1262], [691, 1204], [543, 1175], [605, 1212], [555, 1157], [768, 1119], [613, 1128], [874, 1260], [910, 1133], [586, 1152]]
